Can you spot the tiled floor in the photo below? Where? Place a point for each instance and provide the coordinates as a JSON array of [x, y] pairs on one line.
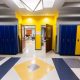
[[37, 65]]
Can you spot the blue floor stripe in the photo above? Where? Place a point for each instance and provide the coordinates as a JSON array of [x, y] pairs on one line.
[[1, 58], [64, 72], [5, 67]]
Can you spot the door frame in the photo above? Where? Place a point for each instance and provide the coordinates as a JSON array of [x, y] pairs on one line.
[[41, 36], [24, 33]]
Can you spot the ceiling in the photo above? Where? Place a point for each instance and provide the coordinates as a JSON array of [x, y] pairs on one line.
[[70, 8], [25, 12], [65, 7]]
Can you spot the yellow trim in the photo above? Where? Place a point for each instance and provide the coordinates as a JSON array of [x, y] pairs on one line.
[[77, 50]]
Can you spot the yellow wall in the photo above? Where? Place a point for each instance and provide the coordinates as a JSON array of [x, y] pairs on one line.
[[18, 16], [38, 21], [77, 51]]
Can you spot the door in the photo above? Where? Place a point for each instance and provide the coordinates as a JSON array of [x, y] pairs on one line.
[[68, 40], [48, 37], [77, 50]]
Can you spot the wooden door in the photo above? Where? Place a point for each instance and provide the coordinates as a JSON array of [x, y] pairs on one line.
[[48, 37]]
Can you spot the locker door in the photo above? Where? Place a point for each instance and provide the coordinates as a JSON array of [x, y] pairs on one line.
[[62, 39], [77, 49], [14, 39], [73, 39], [4, 39], [70, 39], [67, 40], [1, 38], [7, 40], [11, 39]]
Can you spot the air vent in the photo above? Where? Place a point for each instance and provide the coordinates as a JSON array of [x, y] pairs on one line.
[[3, 6]]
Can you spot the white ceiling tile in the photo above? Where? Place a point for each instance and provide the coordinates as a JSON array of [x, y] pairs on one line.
[[48, 3], [31, 3]]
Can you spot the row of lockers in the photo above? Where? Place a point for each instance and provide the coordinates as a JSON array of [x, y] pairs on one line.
[[69, 40], [8, 39]]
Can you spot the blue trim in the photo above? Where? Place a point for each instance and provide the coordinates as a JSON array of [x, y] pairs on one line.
[[5, 67], [64, 72]]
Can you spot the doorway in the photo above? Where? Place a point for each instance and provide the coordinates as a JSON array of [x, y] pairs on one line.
[[28, 38], [43, 37]]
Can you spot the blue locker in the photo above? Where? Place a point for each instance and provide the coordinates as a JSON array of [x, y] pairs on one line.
[[62, 39], [1, 38], [8, 39], [73, 39], [14, 39], [67, 39]]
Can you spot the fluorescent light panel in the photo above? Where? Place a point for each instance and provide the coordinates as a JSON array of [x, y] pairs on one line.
[[31, 3], [48, 3], [26, 7], [39, 7], [18, 3]]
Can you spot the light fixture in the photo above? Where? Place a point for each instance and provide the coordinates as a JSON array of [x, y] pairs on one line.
[[39, 7], [46, 20], [31, 3], [18, 3], [25, 6], [29, 19], [48, 3], [34, 5]]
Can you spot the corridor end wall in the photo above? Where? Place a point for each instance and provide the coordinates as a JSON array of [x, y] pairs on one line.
[[38, 21]]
